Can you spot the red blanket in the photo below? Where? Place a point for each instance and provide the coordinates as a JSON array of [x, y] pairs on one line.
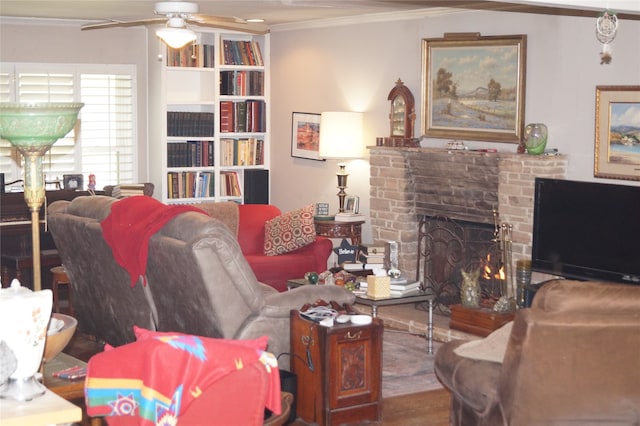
[[129, 226], [156, 379]]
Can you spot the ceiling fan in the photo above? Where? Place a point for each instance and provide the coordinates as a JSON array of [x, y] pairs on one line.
[[177, 14]]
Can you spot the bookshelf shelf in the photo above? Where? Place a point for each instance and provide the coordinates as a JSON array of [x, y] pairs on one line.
[[208, 115]]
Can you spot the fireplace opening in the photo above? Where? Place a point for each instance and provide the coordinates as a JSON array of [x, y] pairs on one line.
[[447, 246]]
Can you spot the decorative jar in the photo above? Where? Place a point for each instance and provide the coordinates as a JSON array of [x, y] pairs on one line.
[[535, 138]]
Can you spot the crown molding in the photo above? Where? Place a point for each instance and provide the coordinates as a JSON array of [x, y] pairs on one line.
[[43, 21], [367, 18]]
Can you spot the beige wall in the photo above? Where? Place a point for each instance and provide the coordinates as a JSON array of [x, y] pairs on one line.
[[353, 67], [65, 43]]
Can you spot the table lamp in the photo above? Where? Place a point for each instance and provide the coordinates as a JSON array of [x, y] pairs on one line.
[[341, 138], [33, 129]]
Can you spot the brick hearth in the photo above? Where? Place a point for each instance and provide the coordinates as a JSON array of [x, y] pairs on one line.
[[464, 185]]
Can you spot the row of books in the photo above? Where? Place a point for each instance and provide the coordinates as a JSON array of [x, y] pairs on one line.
[[230, 184], [242, 83], [190, 185], [190, 154], [399, 287], [241, 52], [241, 152], [190, 124], [191, 55], [243, 116]]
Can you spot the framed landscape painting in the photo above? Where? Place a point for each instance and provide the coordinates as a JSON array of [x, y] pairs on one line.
[[305, 135], [473, 87], [617, 145]]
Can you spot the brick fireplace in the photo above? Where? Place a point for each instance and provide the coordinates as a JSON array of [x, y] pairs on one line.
[[408, 184]]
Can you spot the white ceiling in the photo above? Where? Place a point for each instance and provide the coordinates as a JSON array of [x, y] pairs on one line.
[[277, 12]]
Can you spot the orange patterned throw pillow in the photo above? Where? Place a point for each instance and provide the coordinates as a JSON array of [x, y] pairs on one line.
[[289, 231]]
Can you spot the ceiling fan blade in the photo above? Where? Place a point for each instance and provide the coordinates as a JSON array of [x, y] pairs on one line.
[[258, 29], [116, 23], [212, 19]]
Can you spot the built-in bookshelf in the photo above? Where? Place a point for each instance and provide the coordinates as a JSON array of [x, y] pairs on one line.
[[208, 116]]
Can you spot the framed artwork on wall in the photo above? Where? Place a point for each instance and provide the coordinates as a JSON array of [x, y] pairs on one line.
[[305, 135], [473, 87], [617, 145]]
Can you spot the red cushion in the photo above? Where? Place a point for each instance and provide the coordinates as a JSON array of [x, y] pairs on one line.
[[251, 226]]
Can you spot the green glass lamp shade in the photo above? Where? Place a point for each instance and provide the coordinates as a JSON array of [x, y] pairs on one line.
[[33, 128]]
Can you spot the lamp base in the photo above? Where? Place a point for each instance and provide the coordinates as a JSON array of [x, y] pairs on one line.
[[24, 389]]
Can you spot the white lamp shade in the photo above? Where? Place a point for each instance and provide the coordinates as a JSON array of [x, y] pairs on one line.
[[176, 37], [341, 135]]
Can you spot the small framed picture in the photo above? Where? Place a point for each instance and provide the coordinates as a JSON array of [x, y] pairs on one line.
[[322, 209], [72, 182], [305, 136], [352, 204]]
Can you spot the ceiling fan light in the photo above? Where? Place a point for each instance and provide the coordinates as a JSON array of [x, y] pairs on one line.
[[176, 37]]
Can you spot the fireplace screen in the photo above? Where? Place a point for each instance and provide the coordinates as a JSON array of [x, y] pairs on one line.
[[446, 247]]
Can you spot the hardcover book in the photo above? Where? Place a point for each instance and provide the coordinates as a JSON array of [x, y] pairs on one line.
[[372, 249]]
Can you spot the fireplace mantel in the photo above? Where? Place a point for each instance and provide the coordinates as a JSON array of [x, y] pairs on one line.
[[460, 184]]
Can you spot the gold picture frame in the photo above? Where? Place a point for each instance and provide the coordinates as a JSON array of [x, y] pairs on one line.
[[473, 87], [617, 144]]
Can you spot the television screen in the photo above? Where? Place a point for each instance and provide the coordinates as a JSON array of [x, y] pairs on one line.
[[587, 230]]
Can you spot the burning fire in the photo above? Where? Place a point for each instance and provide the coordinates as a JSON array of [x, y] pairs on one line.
[[487, 271]]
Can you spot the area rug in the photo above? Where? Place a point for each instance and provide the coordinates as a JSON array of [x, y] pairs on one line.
[[406, 367]]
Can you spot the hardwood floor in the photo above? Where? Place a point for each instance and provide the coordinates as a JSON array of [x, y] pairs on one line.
[[420, 409]]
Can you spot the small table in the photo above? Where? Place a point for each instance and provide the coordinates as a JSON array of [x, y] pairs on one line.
[[363, 299], [66, 388], [24, 261], [334, 229], [44, 410]]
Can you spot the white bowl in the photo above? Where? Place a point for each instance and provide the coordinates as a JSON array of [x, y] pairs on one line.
[[361, 319]]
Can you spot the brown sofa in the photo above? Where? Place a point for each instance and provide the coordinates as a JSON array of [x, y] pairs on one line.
[[198, 281], [573, 358]]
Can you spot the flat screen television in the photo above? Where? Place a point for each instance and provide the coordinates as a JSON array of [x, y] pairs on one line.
[[586, 230]]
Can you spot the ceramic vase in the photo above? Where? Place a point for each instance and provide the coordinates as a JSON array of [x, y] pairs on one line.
[[24, 315], [470, 289], [535, 138]]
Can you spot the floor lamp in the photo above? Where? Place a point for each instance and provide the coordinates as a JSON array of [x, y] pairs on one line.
[[33, 129], [341, 138]]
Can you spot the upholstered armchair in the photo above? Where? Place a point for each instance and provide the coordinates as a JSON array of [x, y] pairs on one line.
[[198, 281], [571, 359]]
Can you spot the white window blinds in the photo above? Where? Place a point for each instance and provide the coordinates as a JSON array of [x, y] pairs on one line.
[[105, 140]]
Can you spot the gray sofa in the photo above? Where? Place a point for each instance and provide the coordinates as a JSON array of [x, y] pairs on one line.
[[198, 281]]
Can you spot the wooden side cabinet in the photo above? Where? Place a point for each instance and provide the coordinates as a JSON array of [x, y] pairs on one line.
[[339, 371]]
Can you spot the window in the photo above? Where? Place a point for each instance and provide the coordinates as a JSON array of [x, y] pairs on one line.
[[103, 143]]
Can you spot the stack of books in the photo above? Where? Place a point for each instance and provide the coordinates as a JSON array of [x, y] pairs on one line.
[[124, 191], [371, 254], [349, 217], [400, 287], [359, 266]]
